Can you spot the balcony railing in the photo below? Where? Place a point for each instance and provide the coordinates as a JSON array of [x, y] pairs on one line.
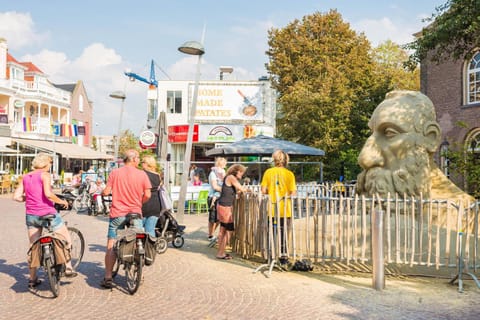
[[38, 90]]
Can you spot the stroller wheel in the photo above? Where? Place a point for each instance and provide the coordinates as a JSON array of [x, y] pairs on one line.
[[161, 245], [178, 242]]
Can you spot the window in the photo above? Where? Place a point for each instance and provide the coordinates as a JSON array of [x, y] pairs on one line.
[[174, 101], [473, 80], [474, 143], [80, 103]]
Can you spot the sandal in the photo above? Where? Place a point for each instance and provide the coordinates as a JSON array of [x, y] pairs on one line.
[[69, 273], [33, 283], [107, 283], [226, 257]]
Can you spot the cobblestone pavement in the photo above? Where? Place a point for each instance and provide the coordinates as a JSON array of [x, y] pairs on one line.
[[189, 283]]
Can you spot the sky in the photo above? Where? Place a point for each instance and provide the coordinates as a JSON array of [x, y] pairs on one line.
[[96, 41]]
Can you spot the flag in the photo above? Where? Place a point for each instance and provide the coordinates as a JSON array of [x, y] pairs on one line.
[[27, 124]]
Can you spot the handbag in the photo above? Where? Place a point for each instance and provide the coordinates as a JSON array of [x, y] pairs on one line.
[[224, 214]]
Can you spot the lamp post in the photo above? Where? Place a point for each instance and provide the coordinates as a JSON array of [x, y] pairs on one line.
[[193, 48], [118, 95]]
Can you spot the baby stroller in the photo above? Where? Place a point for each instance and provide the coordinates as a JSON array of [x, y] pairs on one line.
[[168, 230]]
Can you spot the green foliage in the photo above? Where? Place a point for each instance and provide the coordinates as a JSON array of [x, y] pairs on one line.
[[390, 61], [128, 141], [94, 143], [329, 81], [465, 164], [454, 31]]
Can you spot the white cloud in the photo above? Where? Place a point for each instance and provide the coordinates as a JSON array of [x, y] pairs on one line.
[[54, 62], [378, 31], [19, 30]]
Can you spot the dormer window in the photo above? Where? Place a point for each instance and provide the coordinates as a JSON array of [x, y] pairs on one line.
[[80, 103]]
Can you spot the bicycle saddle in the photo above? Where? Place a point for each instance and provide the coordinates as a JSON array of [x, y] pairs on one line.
[[133, 216], [48, 217]]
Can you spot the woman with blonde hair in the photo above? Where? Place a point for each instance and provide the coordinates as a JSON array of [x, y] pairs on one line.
[[151, 208], [35, 190], [279, 183], [215, 180]]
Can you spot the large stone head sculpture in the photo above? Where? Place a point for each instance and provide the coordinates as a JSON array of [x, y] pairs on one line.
[[398, 155]]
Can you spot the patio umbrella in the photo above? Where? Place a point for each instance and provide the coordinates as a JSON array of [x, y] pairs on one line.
[[263, 146], [162, 147]]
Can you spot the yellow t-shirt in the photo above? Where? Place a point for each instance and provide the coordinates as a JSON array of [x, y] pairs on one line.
[[280, 182]]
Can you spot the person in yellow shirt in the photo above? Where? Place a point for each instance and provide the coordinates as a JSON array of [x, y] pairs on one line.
[[279, 183]]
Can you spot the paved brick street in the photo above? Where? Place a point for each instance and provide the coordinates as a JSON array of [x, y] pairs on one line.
[[189, 283]]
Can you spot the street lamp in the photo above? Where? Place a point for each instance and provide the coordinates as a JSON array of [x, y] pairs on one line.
[[193, 48], [118, 95]]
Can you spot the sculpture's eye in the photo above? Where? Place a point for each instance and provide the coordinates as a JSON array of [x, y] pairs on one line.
[[390, 132]]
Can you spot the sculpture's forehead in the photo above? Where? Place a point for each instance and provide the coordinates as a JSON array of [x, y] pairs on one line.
[[394, 111]]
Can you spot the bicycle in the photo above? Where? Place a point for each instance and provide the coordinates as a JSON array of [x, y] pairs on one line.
[[84, 200], [52, 256], [130, 252]]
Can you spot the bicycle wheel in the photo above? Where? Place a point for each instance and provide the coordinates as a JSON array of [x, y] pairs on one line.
[[116, 267], [77, 203], [53, 276], [161, 245], [178, 242], [78, 246], [133, 272]]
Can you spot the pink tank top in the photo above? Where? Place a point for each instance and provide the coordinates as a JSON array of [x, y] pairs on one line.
[[36, 203]]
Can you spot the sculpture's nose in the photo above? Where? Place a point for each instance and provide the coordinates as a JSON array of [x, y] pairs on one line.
[[370, 156]]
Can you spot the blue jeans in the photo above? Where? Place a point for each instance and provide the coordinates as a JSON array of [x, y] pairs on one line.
[[119, 223], [149, 224], [35, 222]]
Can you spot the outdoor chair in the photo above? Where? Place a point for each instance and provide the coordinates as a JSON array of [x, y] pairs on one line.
[[5, 184], [200, 203]]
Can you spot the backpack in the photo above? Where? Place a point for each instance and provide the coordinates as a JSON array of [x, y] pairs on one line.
[[303, 265]]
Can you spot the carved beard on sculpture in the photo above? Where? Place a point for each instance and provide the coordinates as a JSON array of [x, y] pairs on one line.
[[411, 179]]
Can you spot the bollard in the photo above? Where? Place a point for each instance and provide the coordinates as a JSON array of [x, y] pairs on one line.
[[378, 276]]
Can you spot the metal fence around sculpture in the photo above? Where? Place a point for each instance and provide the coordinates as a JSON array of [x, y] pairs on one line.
[[330, 223]]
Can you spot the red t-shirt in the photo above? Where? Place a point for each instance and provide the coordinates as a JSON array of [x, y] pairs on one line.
[[128, 186]]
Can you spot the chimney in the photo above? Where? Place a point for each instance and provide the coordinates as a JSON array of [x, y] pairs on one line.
[[3, 58]]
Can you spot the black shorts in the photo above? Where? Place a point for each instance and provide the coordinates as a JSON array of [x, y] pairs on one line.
[[212, 210], [228, 226]]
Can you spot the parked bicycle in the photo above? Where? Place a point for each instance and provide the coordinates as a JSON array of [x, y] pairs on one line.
[[51, 252], [82, 200], [130, 252]]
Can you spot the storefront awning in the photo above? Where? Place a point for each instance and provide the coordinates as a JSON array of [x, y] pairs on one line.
[[7, 150], [67, 150]]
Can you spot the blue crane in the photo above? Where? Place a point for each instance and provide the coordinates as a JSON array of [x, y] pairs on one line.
[[152, 82], [152, 109]]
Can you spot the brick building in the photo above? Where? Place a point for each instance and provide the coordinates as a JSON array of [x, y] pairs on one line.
[[454, 88]]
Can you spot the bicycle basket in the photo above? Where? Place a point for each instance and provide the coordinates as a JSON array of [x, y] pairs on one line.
[[34, 255], [126, 247], [150, 250]]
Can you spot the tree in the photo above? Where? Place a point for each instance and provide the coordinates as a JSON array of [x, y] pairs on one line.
[[390, 61], [94, 143], [454, 31], [128, 141], [327, 84]]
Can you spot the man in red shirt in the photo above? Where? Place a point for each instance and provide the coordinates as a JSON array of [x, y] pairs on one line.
[[130, 188]]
